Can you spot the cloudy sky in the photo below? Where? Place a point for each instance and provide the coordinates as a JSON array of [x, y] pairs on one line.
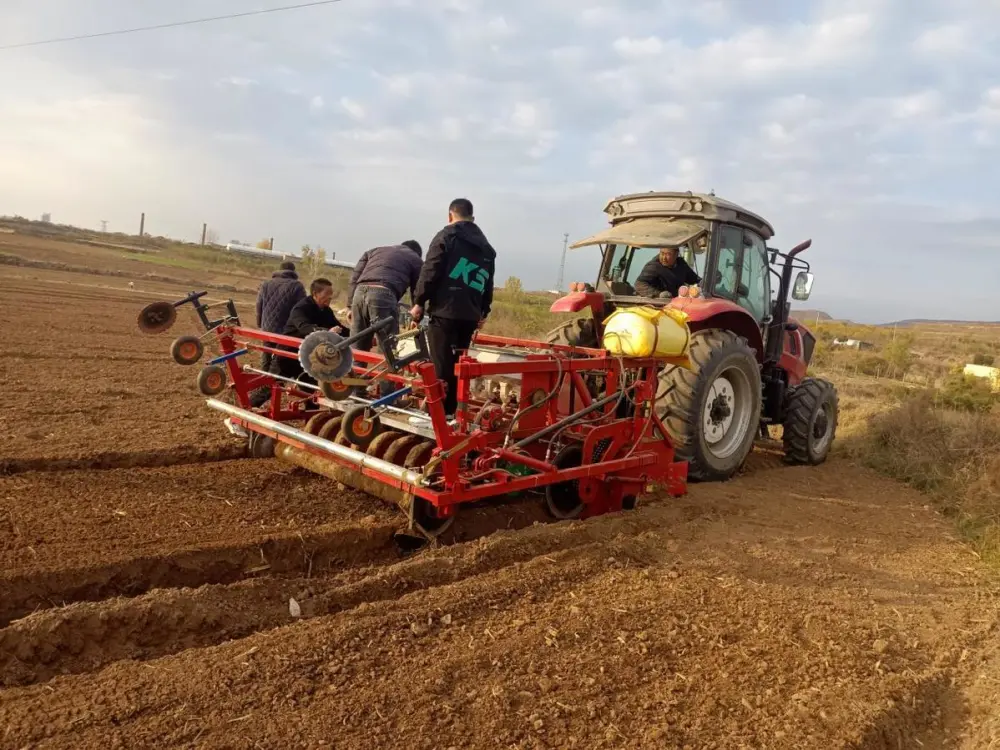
[[871, 126]]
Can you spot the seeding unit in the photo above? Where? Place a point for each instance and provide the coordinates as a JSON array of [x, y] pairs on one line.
[[578, 424]]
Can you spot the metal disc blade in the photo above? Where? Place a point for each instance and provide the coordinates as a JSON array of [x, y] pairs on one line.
[[324, 357], [157, 317]]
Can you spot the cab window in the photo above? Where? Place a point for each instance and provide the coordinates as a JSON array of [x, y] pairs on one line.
[[754, 292], [727, 266]]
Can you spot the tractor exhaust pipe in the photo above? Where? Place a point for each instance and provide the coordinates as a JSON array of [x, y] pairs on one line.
[[356, 458]]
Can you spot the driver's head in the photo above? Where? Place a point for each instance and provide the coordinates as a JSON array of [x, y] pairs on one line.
[[322, 292], [668, 256]]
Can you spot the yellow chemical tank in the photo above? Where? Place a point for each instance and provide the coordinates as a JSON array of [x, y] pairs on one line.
[[647, 332]]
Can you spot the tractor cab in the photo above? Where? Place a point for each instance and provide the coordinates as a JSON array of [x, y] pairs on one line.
[[725, 244]]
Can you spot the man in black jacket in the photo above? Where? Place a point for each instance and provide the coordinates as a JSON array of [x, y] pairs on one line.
[[664, 275], [275, 300], [456, 284], [313, 313]]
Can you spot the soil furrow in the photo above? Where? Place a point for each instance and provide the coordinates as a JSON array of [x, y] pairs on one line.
[[115, 460], [87, 636], [297, 554]]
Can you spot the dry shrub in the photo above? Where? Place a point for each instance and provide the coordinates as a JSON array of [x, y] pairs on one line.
[[952, 455], [966, 393]]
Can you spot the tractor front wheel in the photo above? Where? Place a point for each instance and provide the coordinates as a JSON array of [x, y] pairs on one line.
[[712, 411], [810, 421]]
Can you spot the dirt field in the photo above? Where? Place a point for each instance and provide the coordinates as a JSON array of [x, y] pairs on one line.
[[146, 571]]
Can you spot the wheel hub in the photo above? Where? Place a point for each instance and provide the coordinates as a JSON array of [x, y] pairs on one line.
[[726, 416], [822, 431], [719, 410]]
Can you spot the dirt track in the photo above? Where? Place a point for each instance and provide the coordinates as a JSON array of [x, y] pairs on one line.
[[148, 605]]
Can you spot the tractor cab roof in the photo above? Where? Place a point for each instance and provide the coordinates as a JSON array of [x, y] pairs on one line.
[[660, 219]]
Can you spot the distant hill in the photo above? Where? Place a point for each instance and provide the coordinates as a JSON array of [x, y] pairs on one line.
[[810, 315], [930, 321]]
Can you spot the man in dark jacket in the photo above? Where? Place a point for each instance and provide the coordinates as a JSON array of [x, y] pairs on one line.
[[380, 279], [665, 274], [275, 300], [456, 284], [312, 313]]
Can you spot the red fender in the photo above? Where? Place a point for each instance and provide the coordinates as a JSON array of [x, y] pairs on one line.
[[706, 312], [577, 301]]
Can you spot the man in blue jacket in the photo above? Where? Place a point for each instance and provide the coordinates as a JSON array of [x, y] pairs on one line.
[[275, 300]]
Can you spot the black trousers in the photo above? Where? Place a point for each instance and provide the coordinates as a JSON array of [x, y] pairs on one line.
[[445, 339]]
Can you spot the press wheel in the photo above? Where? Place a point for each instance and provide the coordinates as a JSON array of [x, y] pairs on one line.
[[382, 443], [562, 499], [331, 427], [401, 448], [317, 422]]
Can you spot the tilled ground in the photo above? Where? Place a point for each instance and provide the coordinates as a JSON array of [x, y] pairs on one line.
[[244, 604]]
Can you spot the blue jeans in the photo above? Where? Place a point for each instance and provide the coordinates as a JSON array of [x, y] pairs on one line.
[[370, 305]]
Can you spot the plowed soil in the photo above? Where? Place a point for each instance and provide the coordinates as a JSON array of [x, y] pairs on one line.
[[157, 590]]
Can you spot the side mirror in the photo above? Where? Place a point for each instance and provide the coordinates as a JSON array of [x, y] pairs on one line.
[[803, 286]]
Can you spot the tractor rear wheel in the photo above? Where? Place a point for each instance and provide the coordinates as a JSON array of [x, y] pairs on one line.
[[577, 332], [810, 424], [712, 411]]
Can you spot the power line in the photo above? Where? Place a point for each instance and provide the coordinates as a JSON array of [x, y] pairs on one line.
[[170, 25]]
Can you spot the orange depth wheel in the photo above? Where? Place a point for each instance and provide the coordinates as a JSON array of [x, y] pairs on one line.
[[359, 427], [187, 350], [212, 380]]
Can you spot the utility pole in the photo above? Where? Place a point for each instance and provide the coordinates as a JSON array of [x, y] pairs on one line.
[[104, 226], [142, 224], [562, 263], [270, 244], [204, 231]]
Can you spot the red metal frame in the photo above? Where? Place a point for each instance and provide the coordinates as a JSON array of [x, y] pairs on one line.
[[470, 459]]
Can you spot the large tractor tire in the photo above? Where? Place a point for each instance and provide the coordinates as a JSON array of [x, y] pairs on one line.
[[811, 411], [712, 411], [577, 332]]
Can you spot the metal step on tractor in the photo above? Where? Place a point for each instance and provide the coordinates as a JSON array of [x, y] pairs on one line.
[[748, 357]]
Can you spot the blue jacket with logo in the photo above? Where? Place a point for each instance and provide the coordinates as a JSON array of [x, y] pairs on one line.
[[456, 281]]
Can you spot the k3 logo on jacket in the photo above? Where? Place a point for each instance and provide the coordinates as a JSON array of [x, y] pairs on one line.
[[464, 268]]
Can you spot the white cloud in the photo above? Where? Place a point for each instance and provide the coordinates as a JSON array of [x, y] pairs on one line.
[[316, 103], [525, 115], [353, 108], [237, 81], [921, 104], [649, 46], [947, 40], [777, 132]]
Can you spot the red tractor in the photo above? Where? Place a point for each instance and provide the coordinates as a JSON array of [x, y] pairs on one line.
[[748, 357]]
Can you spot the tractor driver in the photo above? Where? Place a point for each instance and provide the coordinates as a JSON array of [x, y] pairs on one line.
[[665, 274]]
